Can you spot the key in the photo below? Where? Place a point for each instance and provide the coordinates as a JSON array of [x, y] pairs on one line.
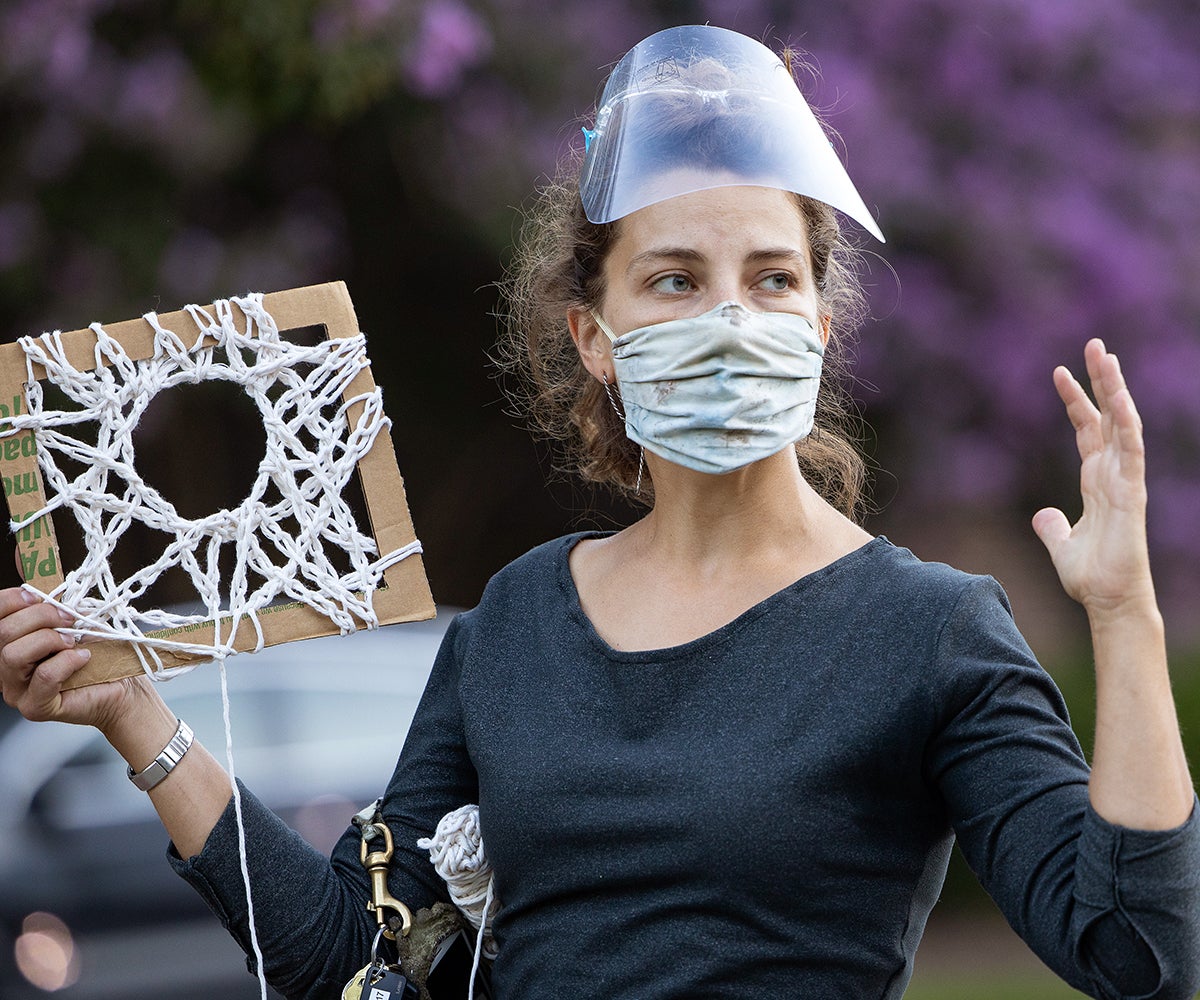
[[391, 985], [353, 989], [379, 982]]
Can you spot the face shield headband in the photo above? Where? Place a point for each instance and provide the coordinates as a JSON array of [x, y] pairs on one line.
[[699, 107]]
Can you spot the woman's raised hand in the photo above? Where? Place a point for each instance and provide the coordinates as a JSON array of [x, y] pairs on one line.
[[1102, 560], [1140, 773], [36, 661]]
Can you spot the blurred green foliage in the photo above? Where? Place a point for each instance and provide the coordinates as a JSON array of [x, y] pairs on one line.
[[992, 986], [1076, 680]]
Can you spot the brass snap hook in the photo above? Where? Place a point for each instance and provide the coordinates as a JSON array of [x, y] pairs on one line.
[[376, 863]]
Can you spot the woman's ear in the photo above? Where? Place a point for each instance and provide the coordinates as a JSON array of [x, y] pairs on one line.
[[826, 322], [591, 342]]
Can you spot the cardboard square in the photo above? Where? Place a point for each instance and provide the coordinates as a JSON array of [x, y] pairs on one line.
[[404, 594]]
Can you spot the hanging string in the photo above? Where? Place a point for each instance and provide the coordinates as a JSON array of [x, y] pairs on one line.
[[241, 831]]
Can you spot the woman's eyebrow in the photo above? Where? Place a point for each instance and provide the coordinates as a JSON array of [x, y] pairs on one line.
[[660, 254], [789, 254]]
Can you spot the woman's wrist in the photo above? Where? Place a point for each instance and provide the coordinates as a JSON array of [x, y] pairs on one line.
[[1137, 613], [165, 762], [144, 726], [191, 800]]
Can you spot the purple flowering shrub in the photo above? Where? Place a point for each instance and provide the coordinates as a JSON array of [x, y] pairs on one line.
[[1035, 166]]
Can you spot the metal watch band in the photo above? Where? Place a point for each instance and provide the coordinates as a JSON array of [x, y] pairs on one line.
[[165, 762]]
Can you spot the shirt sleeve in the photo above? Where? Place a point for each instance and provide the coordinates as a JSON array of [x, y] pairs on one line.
[[1115, 912], [314, 929]]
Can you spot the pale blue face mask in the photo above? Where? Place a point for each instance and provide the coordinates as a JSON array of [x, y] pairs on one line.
[[718, 391]]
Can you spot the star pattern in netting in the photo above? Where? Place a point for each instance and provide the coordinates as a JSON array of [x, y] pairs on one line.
[[291, 532]]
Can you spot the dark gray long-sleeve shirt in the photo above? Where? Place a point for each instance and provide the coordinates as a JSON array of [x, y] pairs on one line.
[[764, 812]]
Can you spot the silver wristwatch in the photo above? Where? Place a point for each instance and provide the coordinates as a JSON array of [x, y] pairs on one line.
[[165, 762]]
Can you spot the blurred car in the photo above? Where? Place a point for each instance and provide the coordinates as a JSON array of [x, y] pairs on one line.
[[316, 728]]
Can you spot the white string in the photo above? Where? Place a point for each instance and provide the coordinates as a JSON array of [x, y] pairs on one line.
[[312, 449], [241, 829], [456, 851]]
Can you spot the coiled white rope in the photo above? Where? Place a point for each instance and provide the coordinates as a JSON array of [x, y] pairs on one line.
[[312, 448], [456, 851]]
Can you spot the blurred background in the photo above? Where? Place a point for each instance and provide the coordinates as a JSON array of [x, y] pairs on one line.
[[1035, 166]]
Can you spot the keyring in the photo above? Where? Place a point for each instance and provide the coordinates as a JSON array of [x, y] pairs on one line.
[[375, 960]]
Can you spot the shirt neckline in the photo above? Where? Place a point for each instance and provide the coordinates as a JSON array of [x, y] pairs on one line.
[[718, 635]]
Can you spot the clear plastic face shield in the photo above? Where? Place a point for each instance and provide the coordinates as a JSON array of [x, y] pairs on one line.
[[699, 107]]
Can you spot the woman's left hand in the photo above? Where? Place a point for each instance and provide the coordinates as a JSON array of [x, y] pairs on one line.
[[1102, 560], [1140, 773]]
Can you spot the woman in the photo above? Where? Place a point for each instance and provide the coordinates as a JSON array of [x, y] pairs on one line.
[[724, 752]]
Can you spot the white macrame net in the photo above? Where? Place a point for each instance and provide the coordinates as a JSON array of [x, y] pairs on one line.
[[284, 534], [312, 448]]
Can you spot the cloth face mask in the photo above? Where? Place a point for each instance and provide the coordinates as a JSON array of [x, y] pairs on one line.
[[718, 391]]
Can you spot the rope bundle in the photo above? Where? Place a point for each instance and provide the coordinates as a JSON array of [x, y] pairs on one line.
[[456, 851]]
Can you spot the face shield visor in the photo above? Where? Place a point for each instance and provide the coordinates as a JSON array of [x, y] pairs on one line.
[[699, 107]]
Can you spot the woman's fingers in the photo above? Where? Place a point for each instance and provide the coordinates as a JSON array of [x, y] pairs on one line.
[[1120, 425], [1082, 413], [1127, 434], [1108, 382], [14, 599], [1113, 419], [1052, 527], [27, 634], [1127, 422], [43, 697], [35, 658], [20, 658], [1097, 360]]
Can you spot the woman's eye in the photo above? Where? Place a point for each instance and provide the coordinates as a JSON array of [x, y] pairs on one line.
[[674, 283], [777, 282]]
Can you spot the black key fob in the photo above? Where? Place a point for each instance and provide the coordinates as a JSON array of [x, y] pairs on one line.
[[390, 985]]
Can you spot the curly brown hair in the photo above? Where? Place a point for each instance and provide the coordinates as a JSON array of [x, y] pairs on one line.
[[558, 265]]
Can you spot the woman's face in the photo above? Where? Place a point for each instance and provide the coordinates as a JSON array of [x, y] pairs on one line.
[[683, 256]]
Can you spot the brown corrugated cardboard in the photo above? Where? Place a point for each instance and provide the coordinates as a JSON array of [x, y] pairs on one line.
[[404, 595]]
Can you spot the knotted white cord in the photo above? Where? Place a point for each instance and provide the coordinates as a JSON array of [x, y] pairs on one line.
[[456, 851], [312, 449]]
